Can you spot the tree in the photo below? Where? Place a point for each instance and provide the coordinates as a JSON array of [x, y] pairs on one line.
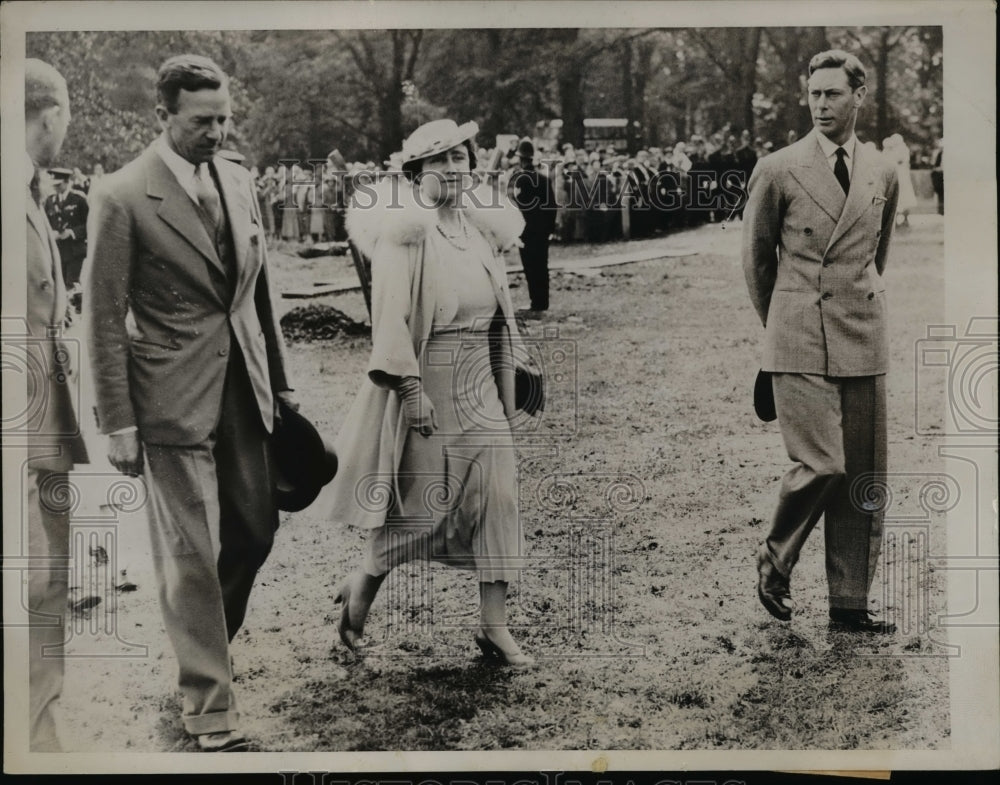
[[384, 61]]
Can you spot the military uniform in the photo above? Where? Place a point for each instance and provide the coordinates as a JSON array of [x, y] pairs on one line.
[[68, 210]]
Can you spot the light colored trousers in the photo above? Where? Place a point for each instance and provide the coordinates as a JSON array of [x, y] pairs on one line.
[[212, 522], [48, 549], [835, 432]]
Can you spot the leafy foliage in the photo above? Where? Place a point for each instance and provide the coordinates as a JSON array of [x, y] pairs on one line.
[[301, 93]]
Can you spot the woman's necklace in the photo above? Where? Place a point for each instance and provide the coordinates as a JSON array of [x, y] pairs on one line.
[[460, 239]]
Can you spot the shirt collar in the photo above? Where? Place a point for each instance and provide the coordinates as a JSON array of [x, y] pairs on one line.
[[830, 147], [29, 169], [182, 168]]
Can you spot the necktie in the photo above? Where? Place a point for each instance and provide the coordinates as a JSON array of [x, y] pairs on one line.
[[35, 190], [840, 170], [208, 197]]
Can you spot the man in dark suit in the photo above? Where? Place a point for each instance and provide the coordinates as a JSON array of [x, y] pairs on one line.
[[636, 194], [722, 164], [54, 442], [67, 213], [532, 193], [188, 394], [827, 202]]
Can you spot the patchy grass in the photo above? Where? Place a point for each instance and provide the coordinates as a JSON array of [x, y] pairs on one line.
[[644, 492]]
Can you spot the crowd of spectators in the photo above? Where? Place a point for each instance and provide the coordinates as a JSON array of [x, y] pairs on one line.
[[600, 194]]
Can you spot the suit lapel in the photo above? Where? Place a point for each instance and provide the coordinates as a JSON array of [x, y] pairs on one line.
[[859, 196], [38, 221], [178, 211], [237, 206], [814, 174]]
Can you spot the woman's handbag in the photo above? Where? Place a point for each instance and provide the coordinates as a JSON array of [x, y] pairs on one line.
[[529, 389]]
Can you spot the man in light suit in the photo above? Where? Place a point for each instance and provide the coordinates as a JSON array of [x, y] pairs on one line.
[[815, 243], [188, 394], [54, 442]]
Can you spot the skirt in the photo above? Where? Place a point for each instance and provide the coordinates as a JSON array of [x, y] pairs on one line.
[[456, 490]]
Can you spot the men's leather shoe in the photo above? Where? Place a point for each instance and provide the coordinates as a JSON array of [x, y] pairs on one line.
[[854, 620], [772, 587], [224, 741]]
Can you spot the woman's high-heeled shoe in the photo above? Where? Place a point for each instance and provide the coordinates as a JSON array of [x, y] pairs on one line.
[[516, 659]]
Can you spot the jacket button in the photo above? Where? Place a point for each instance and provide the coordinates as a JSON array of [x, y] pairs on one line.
[[223, 352], [827, 295], [807, 230], [46, 284], [871, 295]]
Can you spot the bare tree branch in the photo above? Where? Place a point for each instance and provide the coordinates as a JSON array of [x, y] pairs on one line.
[[708, 48], [892, 44], [411, 63], [861, 43]]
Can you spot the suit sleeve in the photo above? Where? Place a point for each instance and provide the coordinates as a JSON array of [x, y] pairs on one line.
[[761, 234], [107, 281], [274, 341], [392, 354], [888, 220]]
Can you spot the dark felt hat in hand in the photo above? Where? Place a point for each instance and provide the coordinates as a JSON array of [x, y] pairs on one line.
[[305, 463], [763, 397]]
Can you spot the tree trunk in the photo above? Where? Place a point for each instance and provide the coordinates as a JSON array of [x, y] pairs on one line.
[[391, 103], [645, 134], [882, 86], [628, 96], [569, 82], [751, 51]]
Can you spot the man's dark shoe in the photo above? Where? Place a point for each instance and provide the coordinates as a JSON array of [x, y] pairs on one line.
[[853, 620], [224, 741], [772, 587]]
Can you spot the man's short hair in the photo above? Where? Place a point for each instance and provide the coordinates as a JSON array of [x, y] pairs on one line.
[[44, 87], [187, 72], [838, 58]]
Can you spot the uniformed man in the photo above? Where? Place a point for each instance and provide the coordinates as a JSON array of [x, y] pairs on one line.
[[67, 213], [532, 192]]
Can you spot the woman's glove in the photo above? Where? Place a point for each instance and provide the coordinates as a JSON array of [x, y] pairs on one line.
[[417, 407]]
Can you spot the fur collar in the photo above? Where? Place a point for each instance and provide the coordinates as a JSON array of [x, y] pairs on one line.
[[389, 210]]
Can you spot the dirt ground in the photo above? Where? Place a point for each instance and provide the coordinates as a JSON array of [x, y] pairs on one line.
[[645, 488]]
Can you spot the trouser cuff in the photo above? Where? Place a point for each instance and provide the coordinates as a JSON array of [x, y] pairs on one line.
[[849, 603], [214, 722]]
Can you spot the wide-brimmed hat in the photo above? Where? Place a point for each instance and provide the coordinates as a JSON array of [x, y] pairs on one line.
[[304, 462], [436, 137], [61, 174]]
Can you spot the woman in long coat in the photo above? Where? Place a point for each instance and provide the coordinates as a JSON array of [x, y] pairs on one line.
[[427, 459]]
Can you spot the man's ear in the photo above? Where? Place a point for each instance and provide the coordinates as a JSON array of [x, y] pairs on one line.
[[161, 113], [48, 116], [859, 95]]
